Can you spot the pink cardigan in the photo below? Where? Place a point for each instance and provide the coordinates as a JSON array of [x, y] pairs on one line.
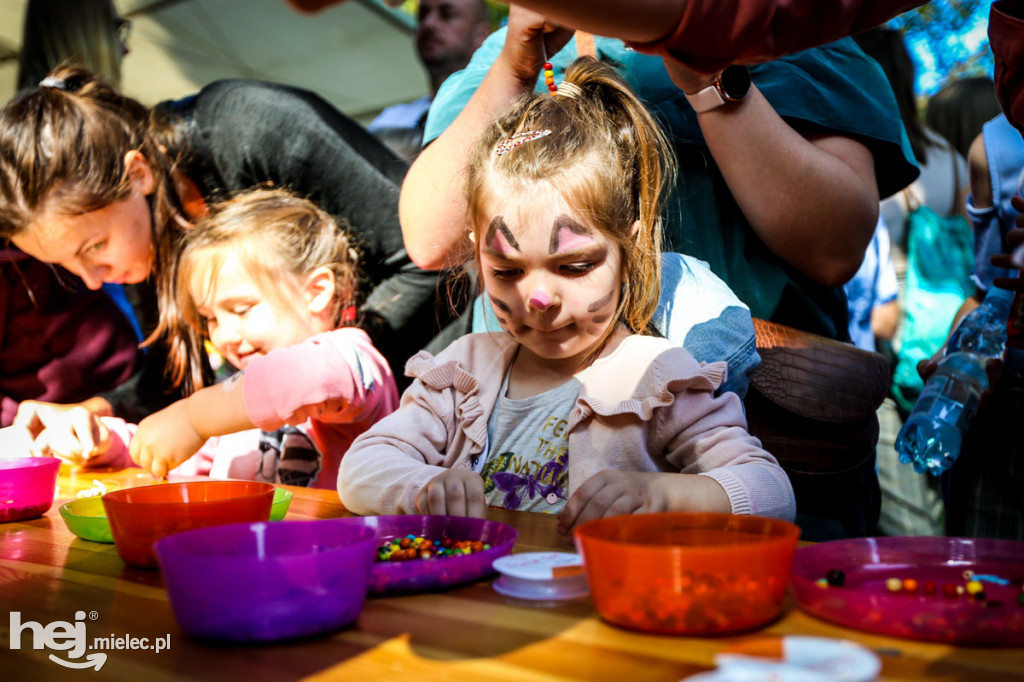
[[342, 363], [649, 406]]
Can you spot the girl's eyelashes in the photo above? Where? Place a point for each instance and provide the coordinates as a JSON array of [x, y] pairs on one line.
[[506, 273], [578, 269]]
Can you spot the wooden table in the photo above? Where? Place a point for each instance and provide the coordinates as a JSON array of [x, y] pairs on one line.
[[469, 633]]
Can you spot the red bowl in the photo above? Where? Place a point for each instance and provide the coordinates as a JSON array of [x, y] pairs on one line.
[[693, 574], [27, 487], [141, 516]]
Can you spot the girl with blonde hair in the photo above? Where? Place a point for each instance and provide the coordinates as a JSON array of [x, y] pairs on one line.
[[575, 409]]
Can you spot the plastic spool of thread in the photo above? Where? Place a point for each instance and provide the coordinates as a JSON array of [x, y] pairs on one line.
[[541, 576]]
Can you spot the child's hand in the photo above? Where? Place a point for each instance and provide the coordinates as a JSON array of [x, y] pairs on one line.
[[613, 493], [165, 439], [455, 492], [75, 435]]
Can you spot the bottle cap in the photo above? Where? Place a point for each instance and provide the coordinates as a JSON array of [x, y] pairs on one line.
[[541, 576]]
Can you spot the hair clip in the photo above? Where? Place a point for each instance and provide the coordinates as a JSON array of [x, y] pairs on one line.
[[54, 82], [510, 143]]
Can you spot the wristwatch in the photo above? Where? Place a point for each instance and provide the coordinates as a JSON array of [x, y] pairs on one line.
[[732, 85]]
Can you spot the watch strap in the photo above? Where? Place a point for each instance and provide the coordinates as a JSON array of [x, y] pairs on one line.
[[708, 98]]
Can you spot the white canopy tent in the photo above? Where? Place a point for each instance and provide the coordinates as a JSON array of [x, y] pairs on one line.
[[358, 55]]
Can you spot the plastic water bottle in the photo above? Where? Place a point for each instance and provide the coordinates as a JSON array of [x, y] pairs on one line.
[[933, 433]]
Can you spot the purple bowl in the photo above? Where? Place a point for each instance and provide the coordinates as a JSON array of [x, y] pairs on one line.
[[422, 575], [27, 487], [267, 581]]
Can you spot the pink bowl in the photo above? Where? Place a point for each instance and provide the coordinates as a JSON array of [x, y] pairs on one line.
[[27, 487], [267, 581], [936, 564], [141, 516]]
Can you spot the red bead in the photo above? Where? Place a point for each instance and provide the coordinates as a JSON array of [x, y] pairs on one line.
[[547, 65], [553, 88], [949, 590]]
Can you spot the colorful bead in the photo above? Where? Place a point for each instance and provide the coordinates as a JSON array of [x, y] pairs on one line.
[[413, 547], [974, 587], [949, 590], [909, 585], [822, 582], [929, 587], [836, 578], [894, 584]]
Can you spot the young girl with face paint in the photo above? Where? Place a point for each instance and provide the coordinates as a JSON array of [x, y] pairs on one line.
[[267, 279], [576, 410]]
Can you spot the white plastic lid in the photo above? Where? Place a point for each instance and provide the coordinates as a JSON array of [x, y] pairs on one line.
[[839, 660], [541, 576]]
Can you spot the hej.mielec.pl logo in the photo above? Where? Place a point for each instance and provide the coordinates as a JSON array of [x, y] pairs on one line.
[[71, 637]]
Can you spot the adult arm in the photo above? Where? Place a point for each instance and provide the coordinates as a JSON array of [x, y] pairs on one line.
[[817, 212], [817, 208], [432, 206], [712, 34]]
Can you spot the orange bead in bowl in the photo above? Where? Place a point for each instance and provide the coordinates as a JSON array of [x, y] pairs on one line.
[[686, 573], [141, 516]]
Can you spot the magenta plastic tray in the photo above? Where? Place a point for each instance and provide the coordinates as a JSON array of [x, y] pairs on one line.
[[422, 575], [864, 602]]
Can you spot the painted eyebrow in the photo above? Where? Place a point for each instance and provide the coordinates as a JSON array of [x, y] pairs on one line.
[[498, 225], [565, 222]]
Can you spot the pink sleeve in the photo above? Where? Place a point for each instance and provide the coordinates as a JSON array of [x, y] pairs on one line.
[[712, 34], [116, 456], [339, 372]]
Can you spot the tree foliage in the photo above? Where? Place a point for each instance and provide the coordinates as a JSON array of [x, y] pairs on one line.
[[948, 39]]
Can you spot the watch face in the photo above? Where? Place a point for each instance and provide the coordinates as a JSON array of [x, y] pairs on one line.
[[735, 82]]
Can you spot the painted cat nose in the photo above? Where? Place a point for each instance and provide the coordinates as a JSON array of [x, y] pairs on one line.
[[539, 300]]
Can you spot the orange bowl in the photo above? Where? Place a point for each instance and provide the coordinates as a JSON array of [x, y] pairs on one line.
[[692, 574], [141, 516]]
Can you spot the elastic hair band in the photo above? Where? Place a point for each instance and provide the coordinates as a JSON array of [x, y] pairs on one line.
[[54, 82], [570, 90]]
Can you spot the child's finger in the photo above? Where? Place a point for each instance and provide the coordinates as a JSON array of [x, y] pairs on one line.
[[455, 498], [158, 468], [476, 502]]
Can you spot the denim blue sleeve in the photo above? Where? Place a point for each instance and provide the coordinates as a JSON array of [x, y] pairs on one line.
[[701, 313], [697, 311], [988, 241]]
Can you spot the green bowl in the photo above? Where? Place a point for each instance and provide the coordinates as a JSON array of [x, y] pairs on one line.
[[86, 517], [282, 500]]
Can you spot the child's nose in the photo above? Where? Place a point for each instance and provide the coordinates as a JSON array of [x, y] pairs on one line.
[[541, 299], [93, 275]]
